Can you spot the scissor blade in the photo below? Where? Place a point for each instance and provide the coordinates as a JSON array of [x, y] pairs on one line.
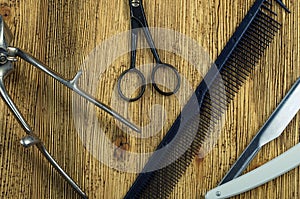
[[272, 129], [269, 171]]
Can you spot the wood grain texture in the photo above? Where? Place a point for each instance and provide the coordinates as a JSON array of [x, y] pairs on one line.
[[62, 33]]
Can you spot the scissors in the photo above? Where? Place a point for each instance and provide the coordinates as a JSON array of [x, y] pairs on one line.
[[8, 55], [139, 21], [232, 184]]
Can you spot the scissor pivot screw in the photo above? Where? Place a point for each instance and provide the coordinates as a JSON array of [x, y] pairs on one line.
[[218, 193], [3, 58], [135, 3]]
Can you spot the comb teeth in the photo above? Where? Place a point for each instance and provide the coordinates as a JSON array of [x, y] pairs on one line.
[[249, 50], [235, 64]]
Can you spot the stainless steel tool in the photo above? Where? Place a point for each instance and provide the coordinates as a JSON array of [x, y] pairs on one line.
[[272, 129], [267, 172], [31, 140], [7, 56]]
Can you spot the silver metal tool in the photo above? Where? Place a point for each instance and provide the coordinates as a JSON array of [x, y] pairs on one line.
[[71, 84], [31, 140], [273, 128], [267, 172], [9, 55]]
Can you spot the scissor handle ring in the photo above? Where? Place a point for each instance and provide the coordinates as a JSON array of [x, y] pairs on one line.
[[161, 65], [143, 85]]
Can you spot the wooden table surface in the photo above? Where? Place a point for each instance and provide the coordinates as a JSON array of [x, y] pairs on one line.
[[62, 33]]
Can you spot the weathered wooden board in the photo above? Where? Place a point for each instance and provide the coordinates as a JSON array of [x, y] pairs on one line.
[[62, 33]]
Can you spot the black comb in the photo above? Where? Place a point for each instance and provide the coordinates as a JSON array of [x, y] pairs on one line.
[[203, 112]]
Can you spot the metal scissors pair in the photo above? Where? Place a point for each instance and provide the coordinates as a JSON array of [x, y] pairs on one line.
[[232, 184], [139, 21], [7, 56]]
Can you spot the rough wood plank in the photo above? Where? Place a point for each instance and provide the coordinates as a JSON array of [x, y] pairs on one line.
[[63, 33]]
